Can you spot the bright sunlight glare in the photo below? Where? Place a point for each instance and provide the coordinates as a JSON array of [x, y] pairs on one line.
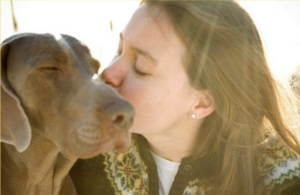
[[98, 24], [279, 26], [95, 23]]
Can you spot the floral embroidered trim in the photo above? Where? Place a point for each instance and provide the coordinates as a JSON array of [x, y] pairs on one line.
[[277, 162], [197, 187], [275, 154], [192, 188], [286, 170], [127, 172]]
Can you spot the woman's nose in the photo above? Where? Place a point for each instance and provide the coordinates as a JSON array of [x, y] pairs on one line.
[[112, 75]]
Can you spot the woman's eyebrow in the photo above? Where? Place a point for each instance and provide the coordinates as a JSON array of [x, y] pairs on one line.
[[146, 54]]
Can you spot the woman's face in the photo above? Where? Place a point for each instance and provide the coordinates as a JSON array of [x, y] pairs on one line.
[[148, 71]]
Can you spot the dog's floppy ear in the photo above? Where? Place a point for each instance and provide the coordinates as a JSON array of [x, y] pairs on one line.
[[15, 127]]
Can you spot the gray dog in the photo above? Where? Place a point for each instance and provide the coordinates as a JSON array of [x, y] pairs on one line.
[[54, 111]]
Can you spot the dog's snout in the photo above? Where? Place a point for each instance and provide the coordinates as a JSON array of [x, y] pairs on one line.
[[120, 113]]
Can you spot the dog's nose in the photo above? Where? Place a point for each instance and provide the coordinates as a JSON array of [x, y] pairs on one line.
[[120, 113]]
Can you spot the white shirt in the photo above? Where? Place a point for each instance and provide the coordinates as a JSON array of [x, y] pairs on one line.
[[166, 173]]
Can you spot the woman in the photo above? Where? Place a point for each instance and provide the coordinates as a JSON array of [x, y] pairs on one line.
[[210, 118]]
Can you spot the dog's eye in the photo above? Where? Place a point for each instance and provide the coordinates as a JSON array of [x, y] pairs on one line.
[[52, 68]]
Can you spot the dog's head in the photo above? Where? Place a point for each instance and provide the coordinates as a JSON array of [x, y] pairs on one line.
[[49, 89]]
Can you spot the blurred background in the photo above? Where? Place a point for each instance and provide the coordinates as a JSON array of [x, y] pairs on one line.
[[98, 24]]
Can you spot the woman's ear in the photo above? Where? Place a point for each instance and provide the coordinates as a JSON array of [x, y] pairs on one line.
[[204, 105]]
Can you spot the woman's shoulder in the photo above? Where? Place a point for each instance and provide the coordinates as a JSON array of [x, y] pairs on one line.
[[279, 166], [127, 171], [113, 172]]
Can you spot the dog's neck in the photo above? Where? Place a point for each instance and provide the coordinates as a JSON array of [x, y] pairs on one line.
[[40, 169]]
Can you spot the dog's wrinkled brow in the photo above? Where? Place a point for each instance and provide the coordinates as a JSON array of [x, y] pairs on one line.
[[58, 58]]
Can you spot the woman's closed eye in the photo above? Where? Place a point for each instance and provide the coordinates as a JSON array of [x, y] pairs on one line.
[[139, 72], [119, 52], [135, 67]]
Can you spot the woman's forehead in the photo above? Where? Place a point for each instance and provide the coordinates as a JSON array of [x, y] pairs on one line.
[[153, 32], [145, 20]]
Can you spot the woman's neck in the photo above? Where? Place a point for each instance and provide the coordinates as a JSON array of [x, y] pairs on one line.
[[174, 145]]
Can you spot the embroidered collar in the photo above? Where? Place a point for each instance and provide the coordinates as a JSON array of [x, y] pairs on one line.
[[128, 172]]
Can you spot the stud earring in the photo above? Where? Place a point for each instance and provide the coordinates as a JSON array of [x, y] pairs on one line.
[[193, 115]]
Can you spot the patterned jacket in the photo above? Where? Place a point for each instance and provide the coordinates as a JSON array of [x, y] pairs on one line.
[[135, 173]]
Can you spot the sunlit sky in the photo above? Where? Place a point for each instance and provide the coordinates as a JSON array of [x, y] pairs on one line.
[[89, 21]]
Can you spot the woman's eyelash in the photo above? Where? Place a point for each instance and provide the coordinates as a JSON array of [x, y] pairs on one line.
[[137, 71], [118, 52]]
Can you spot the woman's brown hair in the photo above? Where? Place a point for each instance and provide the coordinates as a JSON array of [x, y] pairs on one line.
[[225, 55]]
